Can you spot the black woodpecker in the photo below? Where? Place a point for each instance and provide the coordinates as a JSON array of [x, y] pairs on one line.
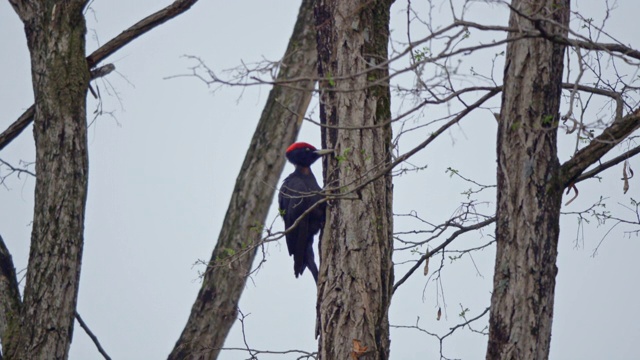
[[298, 193]]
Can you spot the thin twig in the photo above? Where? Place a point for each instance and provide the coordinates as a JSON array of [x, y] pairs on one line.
[[600, 168], [441, 247], [92, 336], [26, 118], [141, 27]]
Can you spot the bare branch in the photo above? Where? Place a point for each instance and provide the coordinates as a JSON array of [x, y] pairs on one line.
[[178, 7], [92, 336], [13, 169], [616, 48], [441, 247], [17, 127], [604, 166], [610, 137], [441, 338], [158, 18], [26, 118], [400, 159]]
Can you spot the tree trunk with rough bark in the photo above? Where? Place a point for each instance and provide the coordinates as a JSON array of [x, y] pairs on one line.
[[356, 270], [10, 302], [215, 309], [56, 39], [529, 197]]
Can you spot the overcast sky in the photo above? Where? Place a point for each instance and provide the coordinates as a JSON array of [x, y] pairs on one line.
[[164, 156]]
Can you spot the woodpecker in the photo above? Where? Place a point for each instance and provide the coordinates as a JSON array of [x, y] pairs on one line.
[[298, 193]]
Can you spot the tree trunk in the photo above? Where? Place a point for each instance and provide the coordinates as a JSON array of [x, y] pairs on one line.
[[356, 270], [10, 302], [529, 198], [215, 309], [55, 36]]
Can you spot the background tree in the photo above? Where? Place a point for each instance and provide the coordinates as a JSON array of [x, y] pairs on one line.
[[531, 180], [216, 307], [55, 36], [40, 325], [528, 205]]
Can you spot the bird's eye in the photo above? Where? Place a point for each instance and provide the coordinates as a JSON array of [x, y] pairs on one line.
[[307, 149]]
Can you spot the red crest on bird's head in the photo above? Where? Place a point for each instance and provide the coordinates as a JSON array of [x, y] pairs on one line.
[[301, 145]]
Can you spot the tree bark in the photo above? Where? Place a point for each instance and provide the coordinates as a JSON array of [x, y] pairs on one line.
[[55, 36], [356, 271], [529, 198], [10, 302], [215, 308]]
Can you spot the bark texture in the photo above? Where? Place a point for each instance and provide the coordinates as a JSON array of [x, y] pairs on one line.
[[55, 36], [214, 310], [529, 197], [356, 272], [10, 302]]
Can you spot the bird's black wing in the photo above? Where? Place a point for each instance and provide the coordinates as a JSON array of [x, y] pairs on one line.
[[294, 199]]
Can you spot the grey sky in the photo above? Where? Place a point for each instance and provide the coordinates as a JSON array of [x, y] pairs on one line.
[[163, 161]]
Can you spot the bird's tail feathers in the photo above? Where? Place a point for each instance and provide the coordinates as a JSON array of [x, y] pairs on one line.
[[298, 264]]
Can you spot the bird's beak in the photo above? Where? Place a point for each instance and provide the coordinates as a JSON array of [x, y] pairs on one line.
[[323, 152]]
